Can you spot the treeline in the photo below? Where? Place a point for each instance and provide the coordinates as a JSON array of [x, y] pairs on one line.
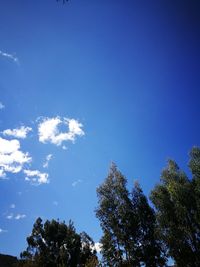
[[135, 233]]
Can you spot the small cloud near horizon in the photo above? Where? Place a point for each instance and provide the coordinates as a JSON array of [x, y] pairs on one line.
[[18, 216], [97, 247]]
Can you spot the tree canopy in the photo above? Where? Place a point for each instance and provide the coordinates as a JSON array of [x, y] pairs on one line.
[[177, 203], [135, 233], [56, 244], [128, 224]]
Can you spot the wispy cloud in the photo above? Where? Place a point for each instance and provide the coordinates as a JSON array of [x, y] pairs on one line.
[[55, 203], [2, 105], [3, 231], [12, 159], [36, 177], [18, 216], [46, 163], [75, 183], [9, 216], [9, 56], [12, 206], [18, 133], [48, 130]]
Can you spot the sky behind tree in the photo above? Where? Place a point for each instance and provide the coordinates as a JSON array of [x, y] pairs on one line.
[[84, 84]]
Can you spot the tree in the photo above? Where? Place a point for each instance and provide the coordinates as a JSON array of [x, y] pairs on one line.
[[55, 244], [151, 250], [88, 253], [128, 224], [113, 201], [177, 202]]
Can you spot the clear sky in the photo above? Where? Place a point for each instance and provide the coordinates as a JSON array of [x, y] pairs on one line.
[[84, 84]]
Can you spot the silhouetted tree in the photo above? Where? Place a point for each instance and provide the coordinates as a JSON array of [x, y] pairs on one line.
[[55, 244]]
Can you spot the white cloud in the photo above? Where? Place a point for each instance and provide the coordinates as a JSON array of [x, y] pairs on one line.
[[12, 159], [3, 231], [20, 216], [97, 247], [12, 206], [48, 130], [10, 56], [18, 133], [46, 163], [10, 216], [75, 183], [2, 105], [36, 177]]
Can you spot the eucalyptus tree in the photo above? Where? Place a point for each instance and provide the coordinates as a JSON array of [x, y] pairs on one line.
[[128, 224], [177, 202], [151, 250]]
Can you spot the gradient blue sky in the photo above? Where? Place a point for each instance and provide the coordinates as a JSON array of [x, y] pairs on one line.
[[128, 71]]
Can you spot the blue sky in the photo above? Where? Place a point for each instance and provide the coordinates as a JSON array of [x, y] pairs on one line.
[[94, 82]]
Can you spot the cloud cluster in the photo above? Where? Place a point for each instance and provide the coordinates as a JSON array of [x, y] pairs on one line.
[[18, 132], [48, 130], [12, 159], [36, 177], [9, 56]]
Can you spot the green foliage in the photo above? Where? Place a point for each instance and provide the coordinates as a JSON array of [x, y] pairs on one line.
[[134, 234], [150, 249], [177, 202], [128, 224], [55, 244], [88, 254]]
